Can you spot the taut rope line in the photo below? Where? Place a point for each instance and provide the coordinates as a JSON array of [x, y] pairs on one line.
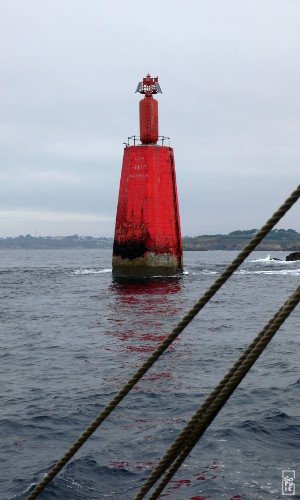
[[291, 200], [202, 418]]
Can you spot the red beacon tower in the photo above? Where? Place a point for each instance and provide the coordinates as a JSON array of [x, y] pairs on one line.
[[147, 233]]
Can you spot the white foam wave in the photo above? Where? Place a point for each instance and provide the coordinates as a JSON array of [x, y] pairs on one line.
[[27, 489], [208, 271], [282, 272], [271, 260], [265, 259], [92, 271]]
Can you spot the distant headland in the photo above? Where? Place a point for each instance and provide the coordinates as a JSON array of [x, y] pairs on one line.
[[277, 239]]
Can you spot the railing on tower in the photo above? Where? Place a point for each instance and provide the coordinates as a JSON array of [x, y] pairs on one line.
[[134, 140]]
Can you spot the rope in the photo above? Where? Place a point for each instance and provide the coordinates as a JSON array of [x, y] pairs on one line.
[[291, 200], [195, 428]]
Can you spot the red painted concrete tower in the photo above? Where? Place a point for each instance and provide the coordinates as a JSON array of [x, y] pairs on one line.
[[147, 232]]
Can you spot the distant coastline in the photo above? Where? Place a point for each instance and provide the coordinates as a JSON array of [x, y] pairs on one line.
[[277, 240]]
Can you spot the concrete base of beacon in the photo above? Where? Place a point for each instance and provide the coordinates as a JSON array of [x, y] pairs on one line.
[[147, 234], [150, 265]]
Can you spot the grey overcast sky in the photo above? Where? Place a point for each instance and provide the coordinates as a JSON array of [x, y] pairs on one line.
[[230, 75]]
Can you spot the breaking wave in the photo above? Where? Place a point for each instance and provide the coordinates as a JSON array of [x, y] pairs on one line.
[[281, 272], [271, 260], [91, 271]]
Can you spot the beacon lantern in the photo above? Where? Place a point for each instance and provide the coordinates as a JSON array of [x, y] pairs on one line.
[[147, 239]]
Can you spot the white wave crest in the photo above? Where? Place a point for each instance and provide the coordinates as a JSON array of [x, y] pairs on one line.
[[265, 259], [282, 272], [271, 260], [92, 271]]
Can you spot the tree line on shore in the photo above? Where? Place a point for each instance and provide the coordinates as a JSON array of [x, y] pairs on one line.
[[277, 239]]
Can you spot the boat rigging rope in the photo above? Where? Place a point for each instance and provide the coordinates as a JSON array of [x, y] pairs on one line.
[[200, 421], [249, 247]]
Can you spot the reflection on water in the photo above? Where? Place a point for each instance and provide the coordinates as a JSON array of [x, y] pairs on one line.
[[140, 316], [161, 285], [140, 300]]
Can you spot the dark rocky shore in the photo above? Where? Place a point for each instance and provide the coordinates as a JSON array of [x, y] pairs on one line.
[[289, 258]]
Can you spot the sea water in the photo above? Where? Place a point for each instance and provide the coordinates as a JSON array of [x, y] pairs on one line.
[[71, 336]]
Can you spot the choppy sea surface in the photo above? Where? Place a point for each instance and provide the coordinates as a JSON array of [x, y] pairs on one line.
[[71, 336]]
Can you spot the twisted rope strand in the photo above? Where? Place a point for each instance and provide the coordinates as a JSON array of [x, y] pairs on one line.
[[201, 420], [203, 425], [180, 441], [166, 343]]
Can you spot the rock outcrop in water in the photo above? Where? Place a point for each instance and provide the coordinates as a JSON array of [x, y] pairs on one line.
[[293, 256], [289, 258]]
